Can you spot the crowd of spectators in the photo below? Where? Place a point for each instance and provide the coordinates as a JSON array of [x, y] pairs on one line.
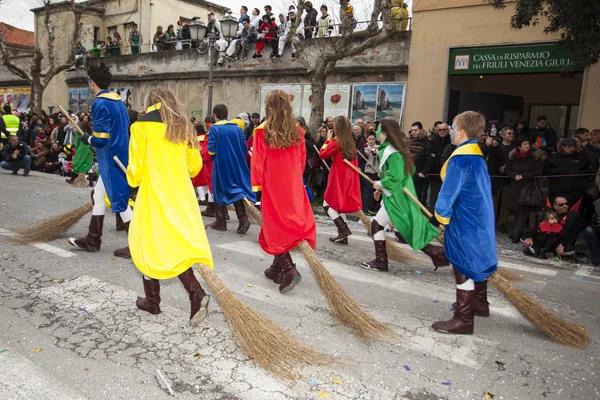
[[254, 29]]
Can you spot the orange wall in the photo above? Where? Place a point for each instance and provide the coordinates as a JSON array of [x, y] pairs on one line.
[[439, 25]]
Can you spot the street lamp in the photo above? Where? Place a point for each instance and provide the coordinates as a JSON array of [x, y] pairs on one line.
[[199, 31]]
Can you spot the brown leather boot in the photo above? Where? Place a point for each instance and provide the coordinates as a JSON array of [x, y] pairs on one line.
[[151, 302], [290, 276], [209, 211], [274, 271], [437, 255], [462, 321], [92, 241], [380, 263], [240, 211], [220, 224], [343, 231], [481, 306], [120, 224], [124, 252], [198, 298]]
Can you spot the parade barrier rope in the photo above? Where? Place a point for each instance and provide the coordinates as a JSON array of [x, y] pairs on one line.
[[52, 228], [272, 347], [557, 328], [343, 307]]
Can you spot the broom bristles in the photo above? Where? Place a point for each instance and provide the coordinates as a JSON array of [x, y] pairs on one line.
[[272, 347], [557, 328], [512, 276], [344, 308], [394, 251], [52, 228], [254, 216]]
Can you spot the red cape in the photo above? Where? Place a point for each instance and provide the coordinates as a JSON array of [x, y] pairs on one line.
[[343, 187], [204, 177], [287, 214]]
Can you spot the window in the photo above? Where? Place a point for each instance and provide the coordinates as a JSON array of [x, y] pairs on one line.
[[96, 34]]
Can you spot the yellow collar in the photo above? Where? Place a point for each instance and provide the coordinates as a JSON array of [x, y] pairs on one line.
[[469, 149], [155, 107], [222, 122], [110, 96]]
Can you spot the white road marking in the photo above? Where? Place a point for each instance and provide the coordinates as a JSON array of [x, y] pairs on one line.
[[422, 257], [57, 251]]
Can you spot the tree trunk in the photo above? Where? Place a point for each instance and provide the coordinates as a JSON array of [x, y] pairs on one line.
[[37, 91], [318, 82]]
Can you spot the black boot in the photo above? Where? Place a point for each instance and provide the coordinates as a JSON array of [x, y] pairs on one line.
[[290, 276], [380, 263], [151, 302], [220, 224], [124, 252], [120, 225], [462, 321], [437, 255], [343, 231], [209, 211], [240, 211], [198, 297], [274, 271]]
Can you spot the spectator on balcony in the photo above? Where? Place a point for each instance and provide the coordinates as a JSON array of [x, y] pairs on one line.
[[284, 29], [310, 20], [269, 12], [104, 48], [117, 43], [231, 48], [249, 35], [350, 22], [96, 50], [269, 29], [135, 39], [159, 39], [170, 38], [80, 53], [255, 18], [108, 51], [325, 24]]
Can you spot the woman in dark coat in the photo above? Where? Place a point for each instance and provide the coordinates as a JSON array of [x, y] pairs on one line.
[[523, 164]]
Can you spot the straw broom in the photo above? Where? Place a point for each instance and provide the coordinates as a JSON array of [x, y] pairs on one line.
[[344, 308], [557, 328], [52, 228], [272, 347]]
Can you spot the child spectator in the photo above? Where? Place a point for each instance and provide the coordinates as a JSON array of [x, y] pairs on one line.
[[269, 29], [546, 236]]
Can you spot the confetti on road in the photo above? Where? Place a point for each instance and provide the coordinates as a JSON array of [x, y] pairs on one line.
[[418, 272], [337, 381], [488, 395], [501, 366], [55, 280], [446, 383], [323, 395], [406, 368], [197, 355], [3, 351], [313, 382], [37, 349], [249, 285]]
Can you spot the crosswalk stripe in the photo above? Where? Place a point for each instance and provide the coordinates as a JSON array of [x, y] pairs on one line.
[[57, 251]]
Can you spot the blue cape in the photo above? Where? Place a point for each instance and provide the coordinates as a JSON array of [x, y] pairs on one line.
[[230, 173], [465, 206], [110, 122]]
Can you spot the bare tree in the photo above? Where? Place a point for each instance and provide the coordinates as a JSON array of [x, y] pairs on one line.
[[35, 72], [320, 64]]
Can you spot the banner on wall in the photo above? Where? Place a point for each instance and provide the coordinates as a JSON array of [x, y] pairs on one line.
[[373, 102], [78, 100], [337, 100], [294, 90], [125, 93], [18, 98]]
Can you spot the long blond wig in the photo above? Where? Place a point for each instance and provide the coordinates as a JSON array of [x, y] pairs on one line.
[[280, 128], [179, 128]]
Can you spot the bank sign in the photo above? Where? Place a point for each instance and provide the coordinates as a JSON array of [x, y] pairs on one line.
[[509, 60]]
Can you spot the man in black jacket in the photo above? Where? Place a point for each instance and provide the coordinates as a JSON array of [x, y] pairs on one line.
[[418, 141], [310, 20], [592, 149], [566, 161], [16, 155], [433, 165], [543, 137]]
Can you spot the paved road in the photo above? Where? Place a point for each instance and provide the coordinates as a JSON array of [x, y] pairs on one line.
[[69, 328]]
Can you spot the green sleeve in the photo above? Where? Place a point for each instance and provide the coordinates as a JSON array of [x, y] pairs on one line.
[[393, 178]]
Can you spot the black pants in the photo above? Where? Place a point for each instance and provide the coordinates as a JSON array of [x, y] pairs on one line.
[[367, 192], [421, 190], [546, 242]]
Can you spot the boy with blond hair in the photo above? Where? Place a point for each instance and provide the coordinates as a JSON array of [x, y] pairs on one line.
[[465, 207]]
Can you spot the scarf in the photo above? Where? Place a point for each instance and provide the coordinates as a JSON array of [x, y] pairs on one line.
[[522, 155]]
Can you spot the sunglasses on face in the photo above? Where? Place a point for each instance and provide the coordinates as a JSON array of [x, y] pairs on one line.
[[562, 204]]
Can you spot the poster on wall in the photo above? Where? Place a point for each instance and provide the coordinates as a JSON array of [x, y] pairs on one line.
[[78, 100], [125, 93], [390, 100], [294, 90], [22, 100], [364, 102], [336, 101]]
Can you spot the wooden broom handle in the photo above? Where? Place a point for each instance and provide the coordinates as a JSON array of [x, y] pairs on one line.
[[120, 164], [386, 192], [66, 114], [421, 206], [371, 165], [324, 163]]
